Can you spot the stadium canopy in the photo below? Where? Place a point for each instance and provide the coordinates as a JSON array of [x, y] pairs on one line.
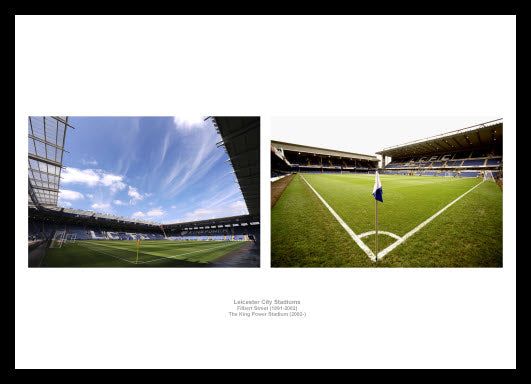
[[280, 145], [215, 223], [62, 215], [241, 140], [485, 135], [46, 138]]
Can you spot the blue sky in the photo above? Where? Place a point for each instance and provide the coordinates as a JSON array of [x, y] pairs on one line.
[[160, 169]]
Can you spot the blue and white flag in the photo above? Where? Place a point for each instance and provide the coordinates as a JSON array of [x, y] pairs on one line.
[[377, 190]]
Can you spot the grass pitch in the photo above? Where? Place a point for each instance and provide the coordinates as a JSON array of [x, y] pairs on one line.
[[123, 253], [304, 233]]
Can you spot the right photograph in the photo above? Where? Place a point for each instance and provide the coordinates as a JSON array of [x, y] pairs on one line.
[[387, 192]]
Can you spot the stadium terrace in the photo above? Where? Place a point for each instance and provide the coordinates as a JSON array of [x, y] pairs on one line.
[[469, 152], [288, 157]]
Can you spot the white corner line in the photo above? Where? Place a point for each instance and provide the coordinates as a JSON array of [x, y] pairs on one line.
[[380, 233], [356, 238], [421, 225]]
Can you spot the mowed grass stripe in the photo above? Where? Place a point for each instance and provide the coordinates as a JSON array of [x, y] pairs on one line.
[[349, 230], [408, 201], [467, 234], [305, 234], [156, 253], [160, 248], [211, 248], [426, 222]]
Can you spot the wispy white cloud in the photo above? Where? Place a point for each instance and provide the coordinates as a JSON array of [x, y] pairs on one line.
[[165, 145], [239, 207], [66, 194], [188, 123], [200, 214], [205, 158], [114, 182], [151, 214], [101, 206], [89, 162], [80, 176], [119, 202], [135, 195], [235, 208], [93, 177], [155, 212], [223, 196]]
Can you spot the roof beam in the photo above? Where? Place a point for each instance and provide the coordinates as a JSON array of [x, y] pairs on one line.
[[47, 143], [44, 173], [45, 160], [33, 196], [45, 188]]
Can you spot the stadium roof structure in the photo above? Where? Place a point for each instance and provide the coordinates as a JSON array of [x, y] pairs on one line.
[[78, 216], [46, 139], [222, 221], [100, 216], [321, 151], [483, 135], [241, 140]]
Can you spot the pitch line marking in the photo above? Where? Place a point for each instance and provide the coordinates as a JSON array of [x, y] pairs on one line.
[[361, 244], [182, 254], [105, 253], [159, 258], [421, 225], [379, 232], [356, 238]]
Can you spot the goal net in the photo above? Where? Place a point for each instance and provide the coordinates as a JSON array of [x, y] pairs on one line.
[[487, 176], [58, 239], [70, 238]]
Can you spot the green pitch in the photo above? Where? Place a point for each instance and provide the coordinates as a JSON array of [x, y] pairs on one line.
[[123, 253], [304, 233]]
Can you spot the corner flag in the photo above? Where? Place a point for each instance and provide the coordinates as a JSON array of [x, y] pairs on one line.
[[377, 191]]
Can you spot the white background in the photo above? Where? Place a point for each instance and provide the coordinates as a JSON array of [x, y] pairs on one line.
[[267, 66]]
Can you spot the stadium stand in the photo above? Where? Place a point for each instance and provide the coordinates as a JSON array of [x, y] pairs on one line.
[[235, 228], [467, 152], [289, 158]]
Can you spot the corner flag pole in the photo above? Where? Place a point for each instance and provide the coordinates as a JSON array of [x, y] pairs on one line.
[[377, 192], [376, 229], [137, 246]]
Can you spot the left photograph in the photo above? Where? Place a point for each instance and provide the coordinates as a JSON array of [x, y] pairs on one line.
[[144, 192]]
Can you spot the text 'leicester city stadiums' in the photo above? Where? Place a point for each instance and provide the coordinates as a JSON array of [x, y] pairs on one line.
[[437, 203], [143, 191]]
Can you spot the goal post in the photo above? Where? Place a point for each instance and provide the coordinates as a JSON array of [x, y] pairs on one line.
[[487, 176], [70, 238], [58, 240]]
